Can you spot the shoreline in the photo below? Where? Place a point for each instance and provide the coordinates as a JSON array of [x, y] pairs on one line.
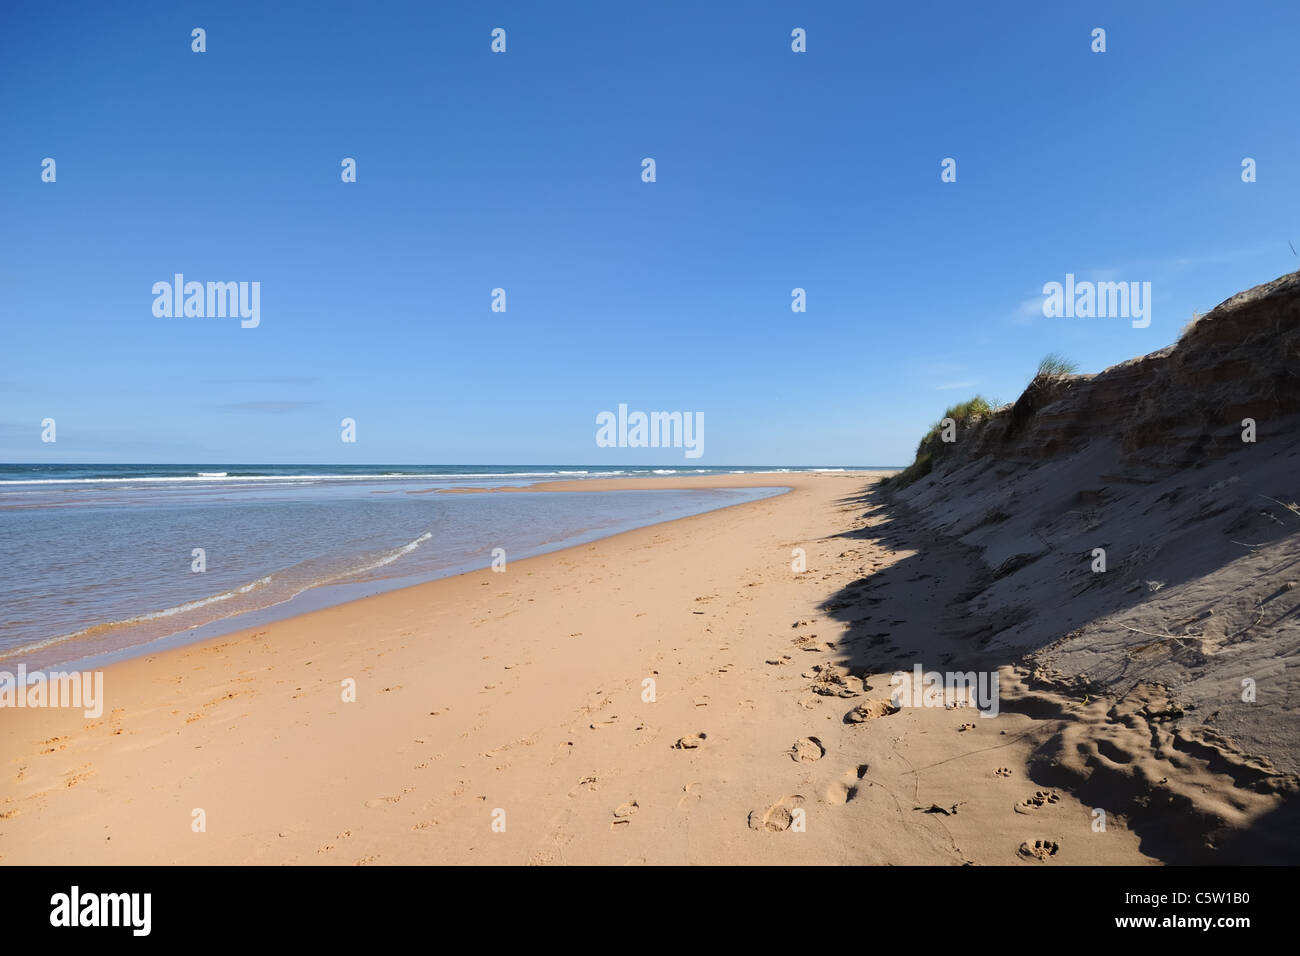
[[326, 594], [137, 683], [678, 693]]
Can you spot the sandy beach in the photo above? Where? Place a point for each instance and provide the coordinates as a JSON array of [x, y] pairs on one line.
[[750, 436], [523, 699]]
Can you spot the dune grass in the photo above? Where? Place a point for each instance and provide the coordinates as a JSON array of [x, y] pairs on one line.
[[1055, 367], [963, 414], [1052, 373]]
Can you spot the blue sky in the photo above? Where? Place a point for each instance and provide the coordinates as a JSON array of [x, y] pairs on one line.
[[522, 170]]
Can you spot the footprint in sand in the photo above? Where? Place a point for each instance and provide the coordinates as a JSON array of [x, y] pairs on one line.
[[965, 727], [691, 741], [605, 723], [870, 711], [846, 788], [807, 750], [831, 680], [80, 775], [1002, 772], [587, 782], [1040, 799], [777, 817], [623, 812], [691, 795], [327, 847], [1041, 850]]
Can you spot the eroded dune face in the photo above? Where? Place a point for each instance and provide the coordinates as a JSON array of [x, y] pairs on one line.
[[1136, 537]]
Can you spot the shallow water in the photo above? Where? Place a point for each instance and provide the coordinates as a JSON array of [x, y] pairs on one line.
[[93, 565]]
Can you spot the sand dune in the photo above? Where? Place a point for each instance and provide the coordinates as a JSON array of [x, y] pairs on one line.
[[1182, 467]]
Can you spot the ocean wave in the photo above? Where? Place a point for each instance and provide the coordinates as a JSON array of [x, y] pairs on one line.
[[139, 618], [391, 556], [132, 482], [215, 477], [384, 559]]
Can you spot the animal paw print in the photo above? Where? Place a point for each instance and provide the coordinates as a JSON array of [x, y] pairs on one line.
[[965, 727], [1041, 850], [1040, 799], [1002, 772]]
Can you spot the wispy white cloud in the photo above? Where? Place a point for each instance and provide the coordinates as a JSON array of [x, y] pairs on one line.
[[282, 380], [270, 407], [1219, 257], [1027, 311], [1147, 270]]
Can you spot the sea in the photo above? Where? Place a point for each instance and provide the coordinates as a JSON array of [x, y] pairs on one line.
[[99, 562]]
